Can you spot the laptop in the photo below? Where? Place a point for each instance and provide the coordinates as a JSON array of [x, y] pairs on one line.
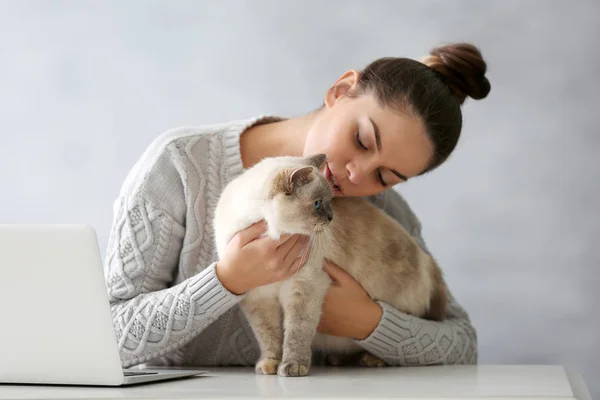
[[56, 324]]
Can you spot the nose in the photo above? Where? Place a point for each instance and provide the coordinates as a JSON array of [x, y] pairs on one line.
[[356, 170], [328, 211], [351, 173]]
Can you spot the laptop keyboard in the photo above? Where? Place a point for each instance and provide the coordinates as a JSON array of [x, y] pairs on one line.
[[138, 373]]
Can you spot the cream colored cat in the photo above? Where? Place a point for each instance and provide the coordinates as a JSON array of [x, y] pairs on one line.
[[294, 197]]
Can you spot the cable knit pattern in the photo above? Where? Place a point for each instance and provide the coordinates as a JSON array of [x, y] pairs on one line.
[[169, 307]]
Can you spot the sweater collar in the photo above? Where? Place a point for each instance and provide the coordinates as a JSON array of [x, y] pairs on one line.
[[231, 143]]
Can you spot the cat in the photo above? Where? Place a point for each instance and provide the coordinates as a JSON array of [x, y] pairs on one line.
[[294, 197]]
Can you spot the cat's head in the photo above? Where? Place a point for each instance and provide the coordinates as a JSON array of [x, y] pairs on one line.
[[299, 199]]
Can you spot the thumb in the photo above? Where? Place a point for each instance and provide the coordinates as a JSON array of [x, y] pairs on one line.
[[252, 232], [337, 273]]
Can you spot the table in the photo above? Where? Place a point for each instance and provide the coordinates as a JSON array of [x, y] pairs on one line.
[[437, 382]]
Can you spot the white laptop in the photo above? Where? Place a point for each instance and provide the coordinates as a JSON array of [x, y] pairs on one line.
[[56, 325]]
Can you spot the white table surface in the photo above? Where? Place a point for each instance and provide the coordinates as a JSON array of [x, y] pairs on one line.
[[451, 382]]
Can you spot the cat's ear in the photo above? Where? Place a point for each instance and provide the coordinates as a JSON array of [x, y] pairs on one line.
[[299, 177], [317, 161]]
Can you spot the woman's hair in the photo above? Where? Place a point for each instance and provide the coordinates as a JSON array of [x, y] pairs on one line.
[[432, 90]]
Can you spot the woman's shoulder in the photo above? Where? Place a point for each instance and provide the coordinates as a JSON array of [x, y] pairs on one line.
[[181, 146], [396, 206]]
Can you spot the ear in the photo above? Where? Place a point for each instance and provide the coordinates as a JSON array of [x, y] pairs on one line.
[[299, 177], [317, 161], [348, 81]]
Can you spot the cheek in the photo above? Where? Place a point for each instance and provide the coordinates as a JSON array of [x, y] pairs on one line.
[[314, 143], [328, 136], [312, 217]]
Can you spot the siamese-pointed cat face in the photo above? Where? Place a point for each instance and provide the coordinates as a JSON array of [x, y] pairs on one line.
[[300, 196]]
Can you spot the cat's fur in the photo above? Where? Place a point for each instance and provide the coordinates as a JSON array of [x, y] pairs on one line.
[[371, 246]]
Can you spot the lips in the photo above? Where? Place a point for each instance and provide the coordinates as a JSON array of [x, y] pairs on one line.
[[333, 181]]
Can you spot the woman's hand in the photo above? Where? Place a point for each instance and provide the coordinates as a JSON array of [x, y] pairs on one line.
[[251, 261], [348, 310]]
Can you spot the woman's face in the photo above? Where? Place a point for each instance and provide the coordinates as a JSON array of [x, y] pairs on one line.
[[368, 148]]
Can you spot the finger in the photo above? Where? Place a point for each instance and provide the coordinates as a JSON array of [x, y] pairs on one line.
[[272, 244], [298, 249], [337, 273], [321, 327], [283, 239], [287, 246], [252, 232], [295, 266]]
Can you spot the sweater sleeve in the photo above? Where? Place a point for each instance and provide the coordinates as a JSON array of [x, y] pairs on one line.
[[151, 315], [403, 339]]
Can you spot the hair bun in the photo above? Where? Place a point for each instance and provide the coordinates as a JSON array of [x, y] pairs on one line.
[[462, 68]]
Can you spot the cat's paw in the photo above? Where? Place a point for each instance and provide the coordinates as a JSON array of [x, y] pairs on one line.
[[368, 360], [293, 369], [267, 366]]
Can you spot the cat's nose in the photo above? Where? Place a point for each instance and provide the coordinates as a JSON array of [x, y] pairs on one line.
[[330, 215]]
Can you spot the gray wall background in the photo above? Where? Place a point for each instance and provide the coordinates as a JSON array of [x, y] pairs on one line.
[[85, 86]]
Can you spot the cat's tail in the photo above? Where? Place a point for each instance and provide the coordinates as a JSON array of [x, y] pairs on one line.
[[438, 302]]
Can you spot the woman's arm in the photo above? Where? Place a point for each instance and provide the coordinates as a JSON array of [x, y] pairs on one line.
[[402, 339], [150, 315], [396, 337]]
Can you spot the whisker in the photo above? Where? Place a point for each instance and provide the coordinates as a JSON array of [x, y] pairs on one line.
[[332, 233], [308, 250], [318, 240]]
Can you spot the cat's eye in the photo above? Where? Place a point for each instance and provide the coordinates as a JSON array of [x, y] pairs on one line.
[[318, 205]]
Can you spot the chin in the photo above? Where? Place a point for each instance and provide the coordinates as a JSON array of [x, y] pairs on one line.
[[318, 228]]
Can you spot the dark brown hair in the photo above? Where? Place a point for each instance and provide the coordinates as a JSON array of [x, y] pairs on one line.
[[432, 89]]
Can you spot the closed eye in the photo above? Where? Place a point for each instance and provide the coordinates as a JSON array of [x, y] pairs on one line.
[[380, 178], [378, 172], [359, 142]]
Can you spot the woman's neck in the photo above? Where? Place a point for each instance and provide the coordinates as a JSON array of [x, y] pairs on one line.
[[281, 138]]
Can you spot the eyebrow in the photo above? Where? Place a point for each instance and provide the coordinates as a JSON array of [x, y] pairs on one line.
[[377, 135], [378, 144]]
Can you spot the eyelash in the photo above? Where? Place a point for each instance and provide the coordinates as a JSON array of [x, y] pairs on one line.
[[360, 144]]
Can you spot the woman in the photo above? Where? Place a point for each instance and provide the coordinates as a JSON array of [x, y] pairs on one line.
[[175, 303]]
